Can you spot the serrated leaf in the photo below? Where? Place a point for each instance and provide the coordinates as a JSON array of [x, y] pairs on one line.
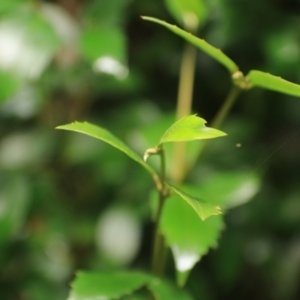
[[190, 128], [106, 285], [188, 236], [104, 135], [187, 11], [273, 83], [215, 53], [164, 290], [202, 208]]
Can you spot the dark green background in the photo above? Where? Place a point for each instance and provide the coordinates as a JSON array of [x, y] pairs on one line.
[[55, 185]]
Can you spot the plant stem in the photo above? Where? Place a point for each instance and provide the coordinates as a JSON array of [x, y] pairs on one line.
[[184, 105], [221, 115], [159, 248], [225, 108]]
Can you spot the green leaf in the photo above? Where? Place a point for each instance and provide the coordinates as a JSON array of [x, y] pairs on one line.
[[273, 83], [215, 53], [28, 41], [106, 285], [14, 201], [164, 290], [190, 128], [105, 13], [9, 85], [105, 47], [188, 236], [188, 12], [202, 208], [7, 6], [104, 135]]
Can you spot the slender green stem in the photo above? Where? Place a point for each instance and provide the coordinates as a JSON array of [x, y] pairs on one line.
[[228, 103], [184, 105], [220, 116], [159, 247]]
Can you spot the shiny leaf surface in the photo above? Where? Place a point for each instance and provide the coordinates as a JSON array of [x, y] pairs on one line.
[[190, 128], [202, 208], [104, 135]]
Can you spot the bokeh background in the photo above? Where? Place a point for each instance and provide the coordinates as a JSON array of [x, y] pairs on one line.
[[63, 196]]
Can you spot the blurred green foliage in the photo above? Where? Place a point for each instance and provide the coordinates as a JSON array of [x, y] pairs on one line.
[[62, 61]]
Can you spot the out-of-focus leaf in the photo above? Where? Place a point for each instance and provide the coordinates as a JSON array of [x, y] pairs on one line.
[[164, 290], [188, 12], [188, 236], [9, 85], [228, 189], [104, 135], [6, 6], [135, 296], [25, 102], [118, 236], [282, 50], [215, 53], [24, 150], [105, 12], [27, 43], [104, 47], [106, 285], [273, 83], [202, 208], [14, 198], [190, 128]]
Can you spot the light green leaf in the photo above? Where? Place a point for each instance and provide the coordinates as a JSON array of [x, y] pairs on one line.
[[215, 53], [189, 13], [104, 135], [106, 285], [202, 208], [273, 83], [9, 85], [164, 290], [188, 236], [190, 128]]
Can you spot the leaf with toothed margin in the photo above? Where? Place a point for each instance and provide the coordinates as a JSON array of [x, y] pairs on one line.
[[106, 285], [273, 83], [202, 208], [187, 235], [104, 135], [164, 290], [215, 53], [190, 128]]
